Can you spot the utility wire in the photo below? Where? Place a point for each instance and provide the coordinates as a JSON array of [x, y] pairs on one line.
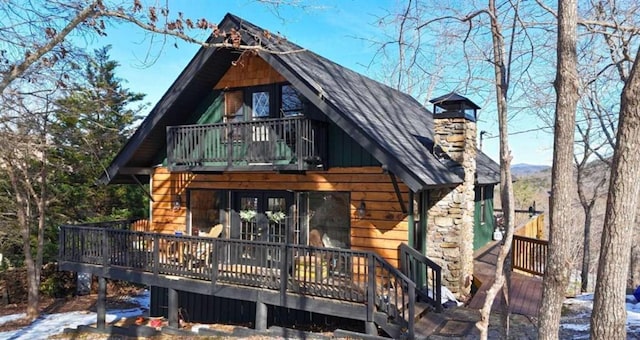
[[531, 130]]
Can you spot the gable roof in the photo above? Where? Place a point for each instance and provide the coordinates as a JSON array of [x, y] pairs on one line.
[[389, 124]]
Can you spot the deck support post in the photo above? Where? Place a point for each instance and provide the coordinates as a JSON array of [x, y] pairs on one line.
[[101, 304], [261, 316], [370, 328], [173, 308]]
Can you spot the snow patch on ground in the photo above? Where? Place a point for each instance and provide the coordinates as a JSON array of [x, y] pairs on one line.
[[52, 324], [574, 324], [578, 314]]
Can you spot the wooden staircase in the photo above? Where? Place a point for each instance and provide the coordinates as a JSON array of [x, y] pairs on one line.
[[393, 314]]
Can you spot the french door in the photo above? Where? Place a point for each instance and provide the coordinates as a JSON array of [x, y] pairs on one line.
[[261, 216]]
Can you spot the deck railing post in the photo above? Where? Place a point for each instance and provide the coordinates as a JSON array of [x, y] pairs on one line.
[[412, 311], [438, 289], [156, 254], [371, 294], [371, 286], [215, 262], [105, 248], [61, 244], [284, 272]]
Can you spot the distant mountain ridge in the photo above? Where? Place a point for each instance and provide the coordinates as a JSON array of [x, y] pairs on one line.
[[526, 169]]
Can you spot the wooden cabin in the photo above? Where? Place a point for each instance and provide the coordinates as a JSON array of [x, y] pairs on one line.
[[284, 181]]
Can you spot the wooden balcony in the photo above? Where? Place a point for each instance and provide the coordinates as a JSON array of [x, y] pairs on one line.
[[340, 282], [293, 143]]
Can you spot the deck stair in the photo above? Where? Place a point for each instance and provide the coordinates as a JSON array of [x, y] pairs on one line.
[[393, 315]]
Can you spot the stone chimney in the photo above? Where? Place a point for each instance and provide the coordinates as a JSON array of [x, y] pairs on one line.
[[451, 216]]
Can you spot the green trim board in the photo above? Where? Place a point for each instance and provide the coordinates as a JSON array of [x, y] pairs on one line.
[[483, 228]]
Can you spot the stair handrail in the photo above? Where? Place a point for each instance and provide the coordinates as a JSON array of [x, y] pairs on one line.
[[410, 258], [406, 282]]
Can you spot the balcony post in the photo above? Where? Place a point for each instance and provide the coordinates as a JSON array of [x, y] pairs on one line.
[[170, 145], [300, 131], [230, 138]]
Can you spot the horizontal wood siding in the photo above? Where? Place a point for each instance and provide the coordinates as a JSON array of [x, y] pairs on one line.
[[382, 230], [249, 70]]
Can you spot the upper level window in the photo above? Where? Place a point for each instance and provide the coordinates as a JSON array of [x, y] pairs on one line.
[[291, 101], [233, 106], [260, 104]]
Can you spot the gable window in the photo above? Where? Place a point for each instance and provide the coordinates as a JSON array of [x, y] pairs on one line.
[[290, 101], [260, 106]]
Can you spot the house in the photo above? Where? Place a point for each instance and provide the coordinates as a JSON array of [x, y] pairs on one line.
[[283, 181]]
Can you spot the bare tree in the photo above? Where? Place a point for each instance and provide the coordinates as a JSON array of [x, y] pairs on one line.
[[38, 31], [480, 45], [588, 192], [25, 163], [556, 277], [609, 315], [37, 59]]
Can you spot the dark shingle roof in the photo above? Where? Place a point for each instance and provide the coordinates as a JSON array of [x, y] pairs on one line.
[[391, 125]]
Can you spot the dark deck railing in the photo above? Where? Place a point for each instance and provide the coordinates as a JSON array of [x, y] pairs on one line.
[[340, 274], [425, 273], [295, 143], [529, 254]]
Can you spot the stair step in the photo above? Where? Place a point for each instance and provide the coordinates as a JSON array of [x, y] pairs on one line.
[[428, 325], [422, 308]]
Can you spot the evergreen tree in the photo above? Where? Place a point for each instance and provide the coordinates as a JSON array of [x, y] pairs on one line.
[[92, 124]]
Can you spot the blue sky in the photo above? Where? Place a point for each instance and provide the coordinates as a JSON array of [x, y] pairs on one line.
[[338, 30]]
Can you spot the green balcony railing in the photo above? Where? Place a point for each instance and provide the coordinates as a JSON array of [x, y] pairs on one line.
[[292, 143]]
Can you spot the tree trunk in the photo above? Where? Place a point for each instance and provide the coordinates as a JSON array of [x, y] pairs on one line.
[[556, 276], [586, 248], [23, 214], [609, 314], [501, 281]]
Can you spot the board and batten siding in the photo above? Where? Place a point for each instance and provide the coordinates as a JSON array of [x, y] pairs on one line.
[[382, 230], [249, 70]]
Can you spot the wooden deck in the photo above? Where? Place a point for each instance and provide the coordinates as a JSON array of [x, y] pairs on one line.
[[346, 283], [526, 290]]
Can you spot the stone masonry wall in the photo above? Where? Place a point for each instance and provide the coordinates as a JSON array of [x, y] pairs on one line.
[[450, 220]]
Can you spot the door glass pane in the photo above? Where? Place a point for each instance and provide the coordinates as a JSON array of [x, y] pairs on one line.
[[277, 215], [248, 213], [260, 104]]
